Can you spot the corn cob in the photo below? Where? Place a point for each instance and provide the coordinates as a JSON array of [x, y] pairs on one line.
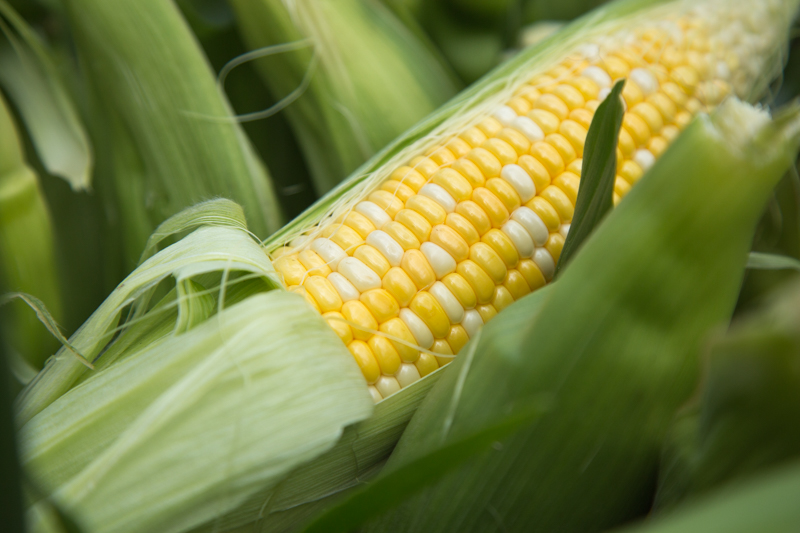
[[477, 218]]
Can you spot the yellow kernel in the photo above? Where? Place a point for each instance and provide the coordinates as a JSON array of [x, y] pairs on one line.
[[491, 206], [545, 120], [313, 263], [564, 147], [409, 177], [398, 329], [520, 105], [429, 310], [458, 147], [441, 155], [588, 89], [560, 202], [549, 157], [686, 77], [478, 279], [675, 93], [470, 171], [450, 241], [650, 115], [402, 235], [490, 126], [615, 67], [575, 134], [454, 183], [505, 192], [461, 289], [474, 214], [502, 298], [592, 105], [415, 223], [576, 167], [536, 170], [682, 119], [631, 172], [463, 227], [582, 117], [664, 105], [385, 354], [291, 269], [554, 245], [281, 252], [324, 293], [441, 346], [516, 285], [632, 94], [529, 93], [357, 313], [386, 201], [304, 293], [670, 132], [344, 236], [637, 127], [626, 143], [457, 338], [366, 360], [502, 246], [568, 183], [621, 187], [426, 364], [398, 283], [515, 140], [404, 192], [428, 208], [473, 136], [533, 276], [552, 104], [571, 96], [425, 166], [337, 324], [503, 151], [487, 311], [485, 257], [381, 304], [486, 161], [546, 212], [418, 269], [358, 222], [373, 259], [657, 146]]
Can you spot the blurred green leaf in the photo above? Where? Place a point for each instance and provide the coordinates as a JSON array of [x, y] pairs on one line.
[[762, 261], [11, 507]]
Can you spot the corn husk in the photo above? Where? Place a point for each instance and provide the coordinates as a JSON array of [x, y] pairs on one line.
[[364, 77], [161, 125]]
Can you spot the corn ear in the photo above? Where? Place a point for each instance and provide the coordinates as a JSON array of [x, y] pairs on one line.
[[27, 250], [163, 129], [368, 77]]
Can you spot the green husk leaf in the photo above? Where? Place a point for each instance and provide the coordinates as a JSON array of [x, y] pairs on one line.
[[599, 169], [598, 444], [235, 390], [29, 76], [765, 261], [208, 249], [11, 509], [765, 503], [747, 415], [370, 77], [168, 136]]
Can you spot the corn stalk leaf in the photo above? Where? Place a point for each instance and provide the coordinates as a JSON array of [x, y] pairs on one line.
[[765, 261], [598, 444], [599, 169], [29, 76]]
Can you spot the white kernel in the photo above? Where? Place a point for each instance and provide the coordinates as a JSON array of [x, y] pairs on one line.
[[723, 70], [472, 322], [345, 289], [387, 385], [534, 225], [360, 275], [376, 396], [441, 261], [299, 241], [589, 51], [644, 158], [439, 195], [528, 128], [329, 251], [450, 304], [422, 334], [385, 244], [374, 213], [545, 262], [597, 75], [645, 79], [603, 94], [520, 237], [407, 374], [505, 115], [564, 230], [518, 178]]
